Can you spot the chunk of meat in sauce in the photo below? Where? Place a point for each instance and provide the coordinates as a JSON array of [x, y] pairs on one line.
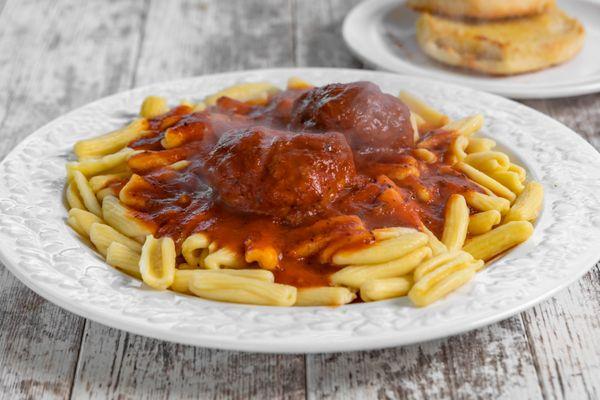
[[278, 112], [284, 175], [372, 121]]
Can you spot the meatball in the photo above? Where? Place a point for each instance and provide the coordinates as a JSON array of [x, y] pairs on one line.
[[372, 121], [281, 174]]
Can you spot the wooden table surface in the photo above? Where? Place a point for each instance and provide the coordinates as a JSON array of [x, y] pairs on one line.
[[56, 56]]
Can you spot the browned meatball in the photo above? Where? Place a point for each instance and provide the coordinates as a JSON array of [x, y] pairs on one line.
[[372, 121], [281, 174]]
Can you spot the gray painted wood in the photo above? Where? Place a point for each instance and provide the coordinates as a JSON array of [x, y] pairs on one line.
[[564, 332], [57, 56], [53, 57], [318, 33], [114, 364], [488, 363], [186, 38], [211, 36]]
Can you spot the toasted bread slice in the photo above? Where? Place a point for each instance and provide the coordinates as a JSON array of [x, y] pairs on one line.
[[482, 9], [503, 47]]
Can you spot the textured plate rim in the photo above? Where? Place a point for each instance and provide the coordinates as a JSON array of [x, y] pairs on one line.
[[306, 346]]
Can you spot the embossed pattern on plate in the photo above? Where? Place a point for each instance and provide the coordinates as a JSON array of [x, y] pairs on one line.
[[43, 253]]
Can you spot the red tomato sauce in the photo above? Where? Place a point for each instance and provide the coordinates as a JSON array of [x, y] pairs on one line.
[[308, 172]]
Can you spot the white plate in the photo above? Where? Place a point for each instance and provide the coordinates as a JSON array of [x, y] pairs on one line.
[[48, 257], [382, 34]]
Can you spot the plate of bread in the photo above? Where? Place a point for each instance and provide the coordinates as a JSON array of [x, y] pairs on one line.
[[515, 48]]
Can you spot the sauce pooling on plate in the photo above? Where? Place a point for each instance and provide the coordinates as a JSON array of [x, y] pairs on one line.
[[298, 172]]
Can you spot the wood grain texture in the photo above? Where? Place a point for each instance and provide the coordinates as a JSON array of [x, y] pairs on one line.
[[582, 114], [488, 363], [39, 343], [115, 364], [57, 56], [564, 332], [214, 36], [48, 65], [318, 33], [481, 364], [211, 36]]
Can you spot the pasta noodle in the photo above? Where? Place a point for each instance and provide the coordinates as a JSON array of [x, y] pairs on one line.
[[244, 92], [459, 144], [103, 235], [425, 155], [448, 260], [435, 244], [528, 204], [488, 161], [509, 179], [94, 166], [499, 239], [466, 126], [382, 289], [484, 202], [520, 171], [183, 277], [484, 221], [102, 193], [157, 262], [456, 222], [354, 276], [153, 106], [223, 258], [382, 251], [394, 232], [439, 283], [195, 249], [82, 221], [432, 117], [324, 296], [99, 182], [122, 257], [486, 181], [215, 199], [477, 145], [296, 83], [419, 123], [266, 257], [73, 198], [121, 218], [236, 289], [87, 195], [111, 142], [415, 125], [179, 165]]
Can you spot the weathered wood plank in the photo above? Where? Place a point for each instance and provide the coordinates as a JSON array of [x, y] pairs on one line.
[[481, 363], [80, 51], [565, 331], [582, 114], [318, 33], [77, 52], [186, 38], [211, 36], [53, 57], [39, 343], [119, 365], [488, 363]]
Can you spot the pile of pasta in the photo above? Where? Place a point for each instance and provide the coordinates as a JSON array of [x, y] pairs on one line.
[[478, 227]]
